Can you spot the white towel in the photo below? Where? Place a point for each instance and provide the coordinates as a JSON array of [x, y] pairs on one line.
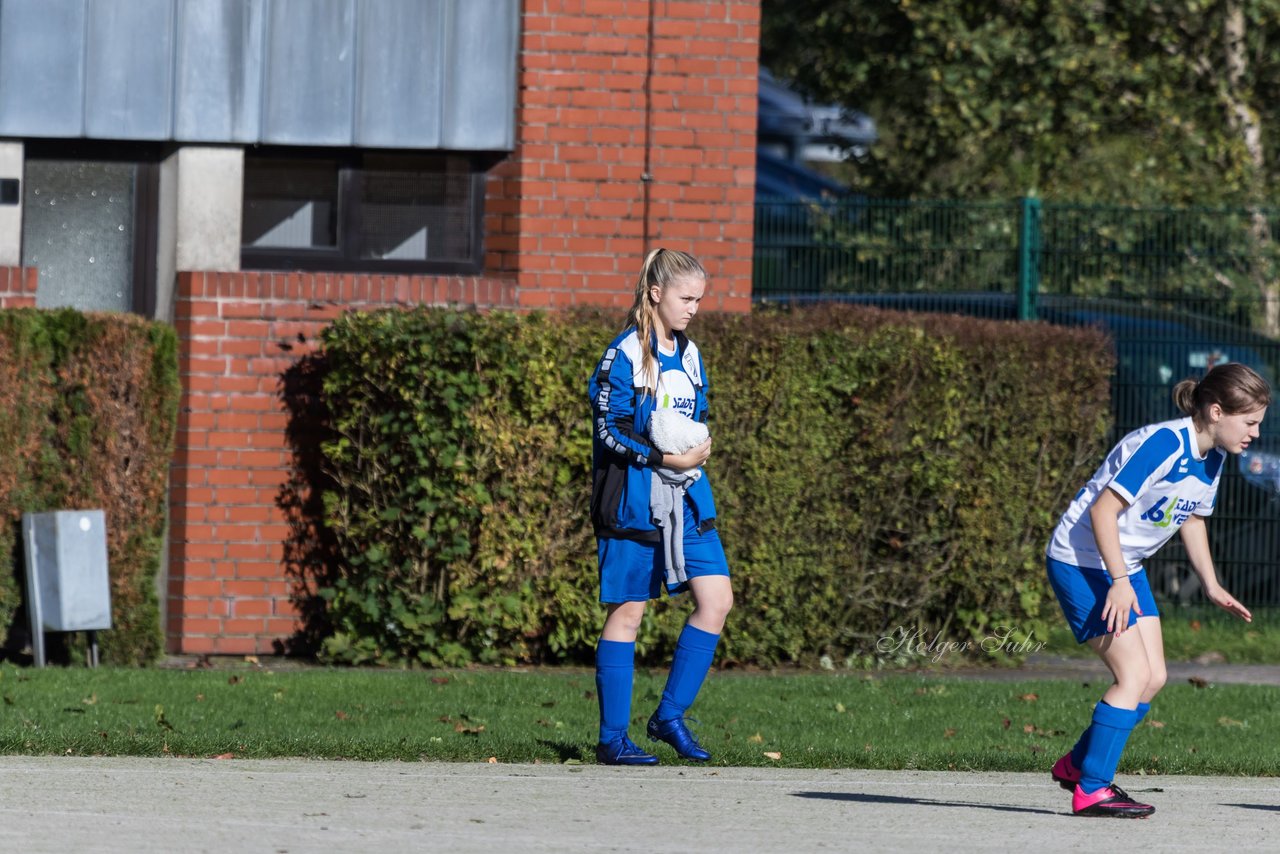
[[672, 433], [666, 506]]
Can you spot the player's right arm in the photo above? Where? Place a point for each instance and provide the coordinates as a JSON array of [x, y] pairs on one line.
[[1121, 598]]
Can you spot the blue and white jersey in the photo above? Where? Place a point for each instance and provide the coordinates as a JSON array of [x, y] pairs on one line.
[[622, 456], [1159, 471], [675, 385]]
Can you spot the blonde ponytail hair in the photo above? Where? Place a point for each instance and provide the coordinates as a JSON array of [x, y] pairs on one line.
[[661, 268]]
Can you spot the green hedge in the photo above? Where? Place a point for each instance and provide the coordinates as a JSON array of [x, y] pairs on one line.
[[88, 411], [876, 473]]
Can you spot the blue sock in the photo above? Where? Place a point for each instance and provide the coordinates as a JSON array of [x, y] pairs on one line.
[[1108, 734], [615, 667], [694, 652], [1077, 752]]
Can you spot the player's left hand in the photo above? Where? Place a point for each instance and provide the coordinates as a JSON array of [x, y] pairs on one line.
[[1227, 602]]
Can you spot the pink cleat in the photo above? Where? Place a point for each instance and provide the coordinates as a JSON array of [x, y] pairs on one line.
[[1111, 801], [1065, 773]]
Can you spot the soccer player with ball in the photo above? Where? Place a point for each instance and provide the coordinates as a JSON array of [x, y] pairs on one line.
[[651, 505]]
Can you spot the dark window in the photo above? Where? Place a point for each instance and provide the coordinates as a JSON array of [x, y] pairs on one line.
[[368, 211], [290, 204]]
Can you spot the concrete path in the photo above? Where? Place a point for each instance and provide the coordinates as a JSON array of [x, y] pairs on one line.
[[61, 804]]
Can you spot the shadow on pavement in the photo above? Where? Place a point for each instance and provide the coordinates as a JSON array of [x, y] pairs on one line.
[[1263, 807], [893, 799]]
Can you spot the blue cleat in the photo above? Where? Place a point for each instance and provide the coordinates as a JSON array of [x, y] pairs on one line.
[[623, 751], [676, 734]]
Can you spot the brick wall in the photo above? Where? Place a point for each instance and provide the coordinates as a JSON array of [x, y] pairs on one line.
[[227, 589], [18, 287], [623, 149]]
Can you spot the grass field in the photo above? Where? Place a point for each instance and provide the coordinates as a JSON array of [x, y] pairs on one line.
[[815, 720], [1197, 633]]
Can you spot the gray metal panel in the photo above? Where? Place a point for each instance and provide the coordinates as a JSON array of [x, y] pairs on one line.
[[218, 70], [400, 78], [67, 568], [129, 69], [480, 73], [42, 67], [375, 73], [310, 62]]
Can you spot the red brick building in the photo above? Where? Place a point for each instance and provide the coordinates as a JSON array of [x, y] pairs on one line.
[[634, 127]]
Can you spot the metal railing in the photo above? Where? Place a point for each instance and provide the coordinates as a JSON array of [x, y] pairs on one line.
[[1177, 289]]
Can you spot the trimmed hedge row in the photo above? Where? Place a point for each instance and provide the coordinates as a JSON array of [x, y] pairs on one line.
[[877, 473], [88, 413]]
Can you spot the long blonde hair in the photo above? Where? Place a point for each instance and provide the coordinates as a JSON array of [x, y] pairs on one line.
[[662, 267]]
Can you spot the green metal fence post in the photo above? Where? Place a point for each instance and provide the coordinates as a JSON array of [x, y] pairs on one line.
[[1028, 257]]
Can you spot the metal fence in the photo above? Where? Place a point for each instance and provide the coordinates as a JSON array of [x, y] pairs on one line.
[[1177, 290]]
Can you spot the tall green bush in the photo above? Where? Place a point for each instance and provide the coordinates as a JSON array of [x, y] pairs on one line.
[[88, 413], [875, 472]]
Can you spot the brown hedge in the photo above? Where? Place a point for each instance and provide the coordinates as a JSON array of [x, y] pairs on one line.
[[876, 473], [88, 403]]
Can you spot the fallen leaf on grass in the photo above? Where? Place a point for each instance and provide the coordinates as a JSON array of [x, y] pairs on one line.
[[1156, 724], [440, 680], [1226, 721], [492, 760], [1030, 698], [225, 756], [756, 739], [340, 715], [1198, 682], [948, 732], [772, 754]]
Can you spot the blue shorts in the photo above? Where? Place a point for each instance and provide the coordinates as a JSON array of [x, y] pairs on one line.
[[634, 571], [1082, 593]]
